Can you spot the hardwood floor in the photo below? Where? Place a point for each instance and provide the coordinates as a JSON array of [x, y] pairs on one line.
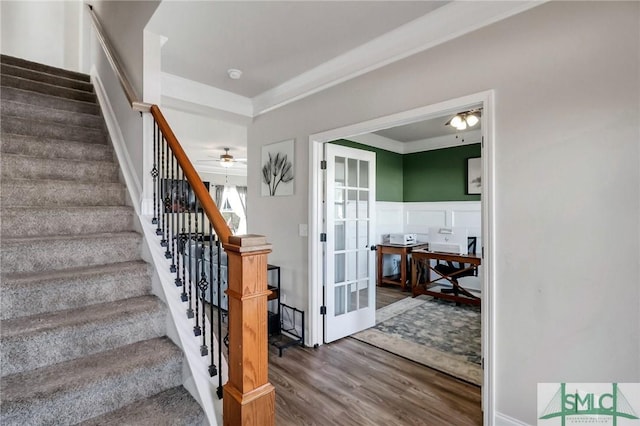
[[386, 295], [351, 383]]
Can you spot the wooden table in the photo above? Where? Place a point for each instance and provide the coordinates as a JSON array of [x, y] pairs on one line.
[[396, 249], [421, 282]]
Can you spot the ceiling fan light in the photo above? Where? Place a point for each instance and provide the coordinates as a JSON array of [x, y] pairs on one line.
[[226, 159], [456, 121], [472, 120]]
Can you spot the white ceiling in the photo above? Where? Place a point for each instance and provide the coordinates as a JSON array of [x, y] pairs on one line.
[[291, 49], [270, 41]]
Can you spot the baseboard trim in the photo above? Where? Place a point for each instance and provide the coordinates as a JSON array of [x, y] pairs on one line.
[[117, 140], [504, 420]]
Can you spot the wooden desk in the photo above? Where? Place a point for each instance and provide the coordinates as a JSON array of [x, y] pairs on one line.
[[398, 249], [421, 282]]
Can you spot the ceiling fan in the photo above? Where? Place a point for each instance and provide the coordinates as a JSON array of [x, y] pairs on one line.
[[227, 160]]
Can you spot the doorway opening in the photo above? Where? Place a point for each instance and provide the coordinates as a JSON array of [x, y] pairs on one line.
[[317, 273]]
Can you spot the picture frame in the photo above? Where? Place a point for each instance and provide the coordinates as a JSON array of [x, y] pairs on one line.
[[178, 196], [277, 169], [474, 176]]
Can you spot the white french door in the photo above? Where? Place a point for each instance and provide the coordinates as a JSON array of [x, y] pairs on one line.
[[349, 291]]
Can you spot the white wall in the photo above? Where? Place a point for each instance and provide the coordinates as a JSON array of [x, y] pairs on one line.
[[123, 23], [42, 31], [566, 81]]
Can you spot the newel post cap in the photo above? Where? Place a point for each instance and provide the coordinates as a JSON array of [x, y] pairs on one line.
[[247, 243]]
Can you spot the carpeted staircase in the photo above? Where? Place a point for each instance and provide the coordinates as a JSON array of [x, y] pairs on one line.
[[82, 338]]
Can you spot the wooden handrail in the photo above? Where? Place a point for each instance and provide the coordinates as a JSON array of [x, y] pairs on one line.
[[249, 397], [109, 52], [211, 210]]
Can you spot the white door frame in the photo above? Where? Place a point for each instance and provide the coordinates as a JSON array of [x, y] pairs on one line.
[[316, 142]]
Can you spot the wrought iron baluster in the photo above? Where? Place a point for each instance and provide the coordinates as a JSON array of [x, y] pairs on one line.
[[167, 203], [212, 366], [171, 209], [175, 206], [154, 172], [179, 248], [160, 230], [190, 258], [203, 285], [219, 287], [196, 280]]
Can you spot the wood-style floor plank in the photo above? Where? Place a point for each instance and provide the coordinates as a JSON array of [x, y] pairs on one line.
[[349, 382]]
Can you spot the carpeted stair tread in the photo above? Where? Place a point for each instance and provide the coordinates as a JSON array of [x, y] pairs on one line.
[[175, 407], [50, 192], [44, 129], [50, 101], [10, 108], [68, 220], [47, 338], [27, 167], [24, 63], [76, 390], [54, 148], [32, 293], [45, 77], [46, 88], [80, 329], [33, 254]]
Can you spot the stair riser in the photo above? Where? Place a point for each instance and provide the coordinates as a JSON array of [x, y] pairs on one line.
[[45, 114], [37, 222], [47, 89], [23, 63], [34, 168], [73, 292], [45, 255], [71, 406], [43, 129], [60, 194], [43, 100], [46, 78], [51, 148], [173, 407], [28, 352]]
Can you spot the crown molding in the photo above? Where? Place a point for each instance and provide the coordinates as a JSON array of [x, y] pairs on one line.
[[377, 141], [447, 141], [191, 91], [443, 24]]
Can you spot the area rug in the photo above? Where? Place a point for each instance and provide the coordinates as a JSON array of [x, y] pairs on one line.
[[431, 332]]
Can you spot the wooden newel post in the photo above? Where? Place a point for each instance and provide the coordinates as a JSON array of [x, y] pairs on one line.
[[248, 397]]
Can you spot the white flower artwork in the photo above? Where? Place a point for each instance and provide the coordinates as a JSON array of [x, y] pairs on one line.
[[277, 168]]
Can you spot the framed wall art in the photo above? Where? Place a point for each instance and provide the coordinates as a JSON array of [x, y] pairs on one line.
[[474, 175], [277, 172]]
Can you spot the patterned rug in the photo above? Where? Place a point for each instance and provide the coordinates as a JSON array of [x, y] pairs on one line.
[[432, 332]]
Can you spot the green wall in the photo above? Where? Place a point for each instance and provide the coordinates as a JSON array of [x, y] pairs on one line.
[[389, 171], [438, 175]]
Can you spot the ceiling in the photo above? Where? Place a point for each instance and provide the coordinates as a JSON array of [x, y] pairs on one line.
[[290, 49], [270, 41]]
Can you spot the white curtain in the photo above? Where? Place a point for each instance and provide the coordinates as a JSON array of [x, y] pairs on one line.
[[230, 194]]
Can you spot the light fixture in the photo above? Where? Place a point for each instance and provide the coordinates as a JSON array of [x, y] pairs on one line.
[[226, 159], [465, 119], [234, 73]]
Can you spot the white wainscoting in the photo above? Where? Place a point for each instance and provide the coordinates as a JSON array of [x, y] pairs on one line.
[[418, 217]]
